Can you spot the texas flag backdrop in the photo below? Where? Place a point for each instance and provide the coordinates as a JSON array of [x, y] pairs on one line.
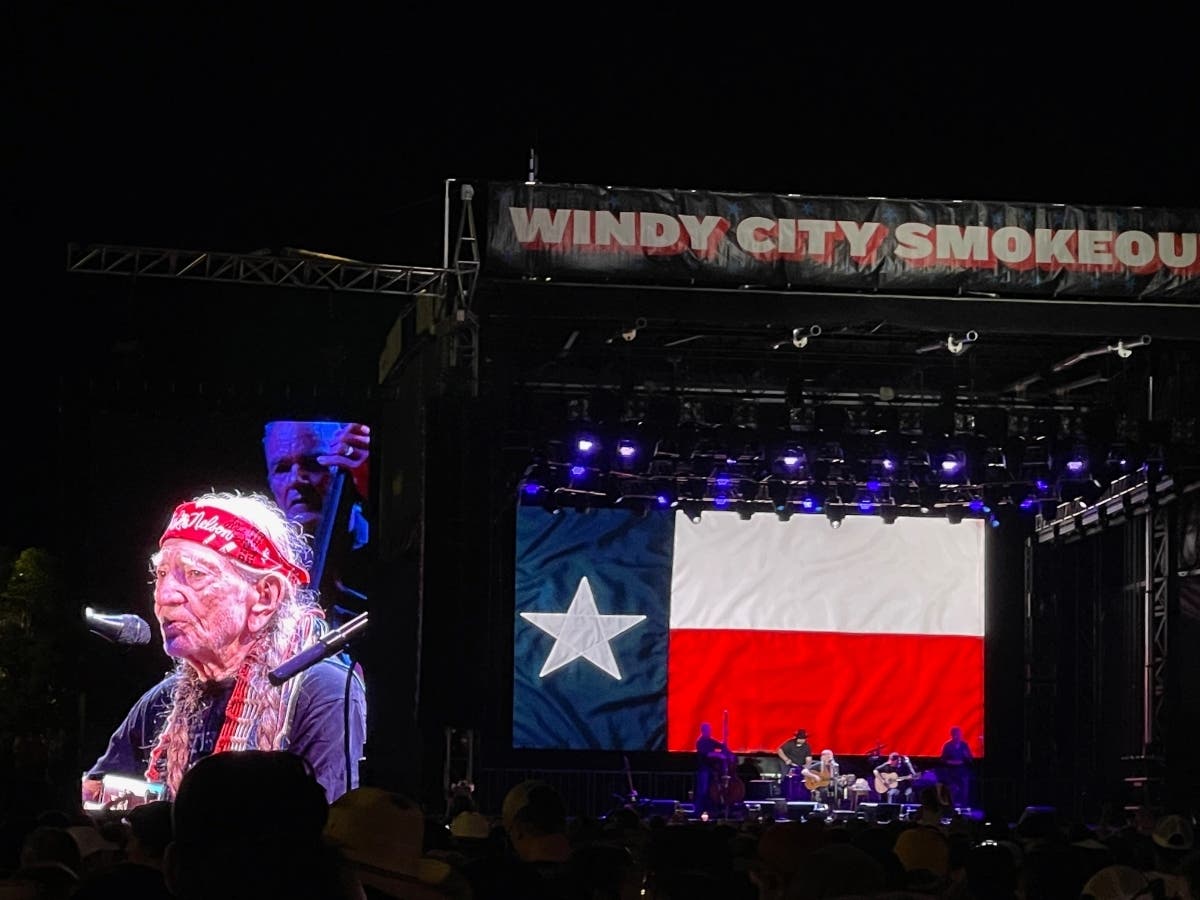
[[630, 631]]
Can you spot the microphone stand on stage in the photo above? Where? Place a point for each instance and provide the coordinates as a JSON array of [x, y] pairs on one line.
[[327, 646]]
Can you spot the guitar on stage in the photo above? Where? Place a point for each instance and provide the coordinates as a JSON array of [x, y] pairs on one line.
[[889, 781], [889, 776], [819, 776], [815, 781]]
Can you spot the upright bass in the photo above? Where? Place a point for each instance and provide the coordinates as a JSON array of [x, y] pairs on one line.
[[726, 789]]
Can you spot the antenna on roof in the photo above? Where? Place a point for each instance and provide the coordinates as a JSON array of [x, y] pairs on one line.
[[533, 167]]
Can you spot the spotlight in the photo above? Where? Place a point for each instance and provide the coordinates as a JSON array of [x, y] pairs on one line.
[[1076, 465], [534, 480], [691, 509], [958, 346], [952, 464], [792, 463], [888, 514], [835, 516], [800, 336], [954, 514], [587, 444], [627, 452]]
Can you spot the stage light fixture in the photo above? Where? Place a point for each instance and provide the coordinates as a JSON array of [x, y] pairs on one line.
[[626, 454], [1076, 465], [887, 514], [834, 516], [791, 462], [954, 514], [953, 465]]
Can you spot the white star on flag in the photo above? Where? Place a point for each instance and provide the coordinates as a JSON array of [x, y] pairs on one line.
[[582, 632]]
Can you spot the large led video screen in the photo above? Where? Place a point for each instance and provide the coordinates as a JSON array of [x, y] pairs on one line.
[[630, 631], [316, 470]]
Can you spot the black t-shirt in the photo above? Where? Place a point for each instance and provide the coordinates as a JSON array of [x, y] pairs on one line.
[[797, 751], [317, 733]]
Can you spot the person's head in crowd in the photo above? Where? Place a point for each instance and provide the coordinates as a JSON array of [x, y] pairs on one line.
[[783, 851], [1173, 837], [925, 855], [837, 870], [299, 456], [608, 872], [993, 871], [877, 842], [536, 821], [251, 825], [1115, 882], [41, 881], [231, 596], [96, 851], [470, 825], [47, 844], [149, 833], [137, 874], [381, 834]]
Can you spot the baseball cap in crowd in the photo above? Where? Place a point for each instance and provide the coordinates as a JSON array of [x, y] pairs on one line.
[[1174, 833]]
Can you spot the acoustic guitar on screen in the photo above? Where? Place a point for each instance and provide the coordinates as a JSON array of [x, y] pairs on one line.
[[814, 781], [888, 781]]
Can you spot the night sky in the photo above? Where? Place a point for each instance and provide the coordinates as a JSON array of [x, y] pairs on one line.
[[321, 131]]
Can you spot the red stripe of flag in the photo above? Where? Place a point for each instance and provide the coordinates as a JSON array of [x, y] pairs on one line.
[[850, 691]]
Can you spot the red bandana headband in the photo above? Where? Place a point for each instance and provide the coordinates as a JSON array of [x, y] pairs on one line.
[[230, 536]]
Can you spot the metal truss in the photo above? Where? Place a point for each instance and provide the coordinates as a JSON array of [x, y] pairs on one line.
[[464, 347], [1158, 581], [312, 271]]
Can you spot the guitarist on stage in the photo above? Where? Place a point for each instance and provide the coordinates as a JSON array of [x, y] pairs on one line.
[[819, 777], [894, 779]]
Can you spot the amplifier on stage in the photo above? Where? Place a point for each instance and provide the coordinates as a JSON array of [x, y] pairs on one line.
[[763, 789]]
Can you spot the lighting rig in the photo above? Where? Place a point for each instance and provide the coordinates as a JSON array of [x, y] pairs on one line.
[[886, 475]]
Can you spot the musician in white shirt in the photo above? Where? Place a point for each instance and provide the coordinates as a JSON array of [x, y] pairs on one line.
[[821, 777]]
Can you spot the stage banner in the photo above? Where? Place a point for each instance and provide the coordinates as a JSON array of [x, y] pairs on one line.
[[598, 234], [630, 631]]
